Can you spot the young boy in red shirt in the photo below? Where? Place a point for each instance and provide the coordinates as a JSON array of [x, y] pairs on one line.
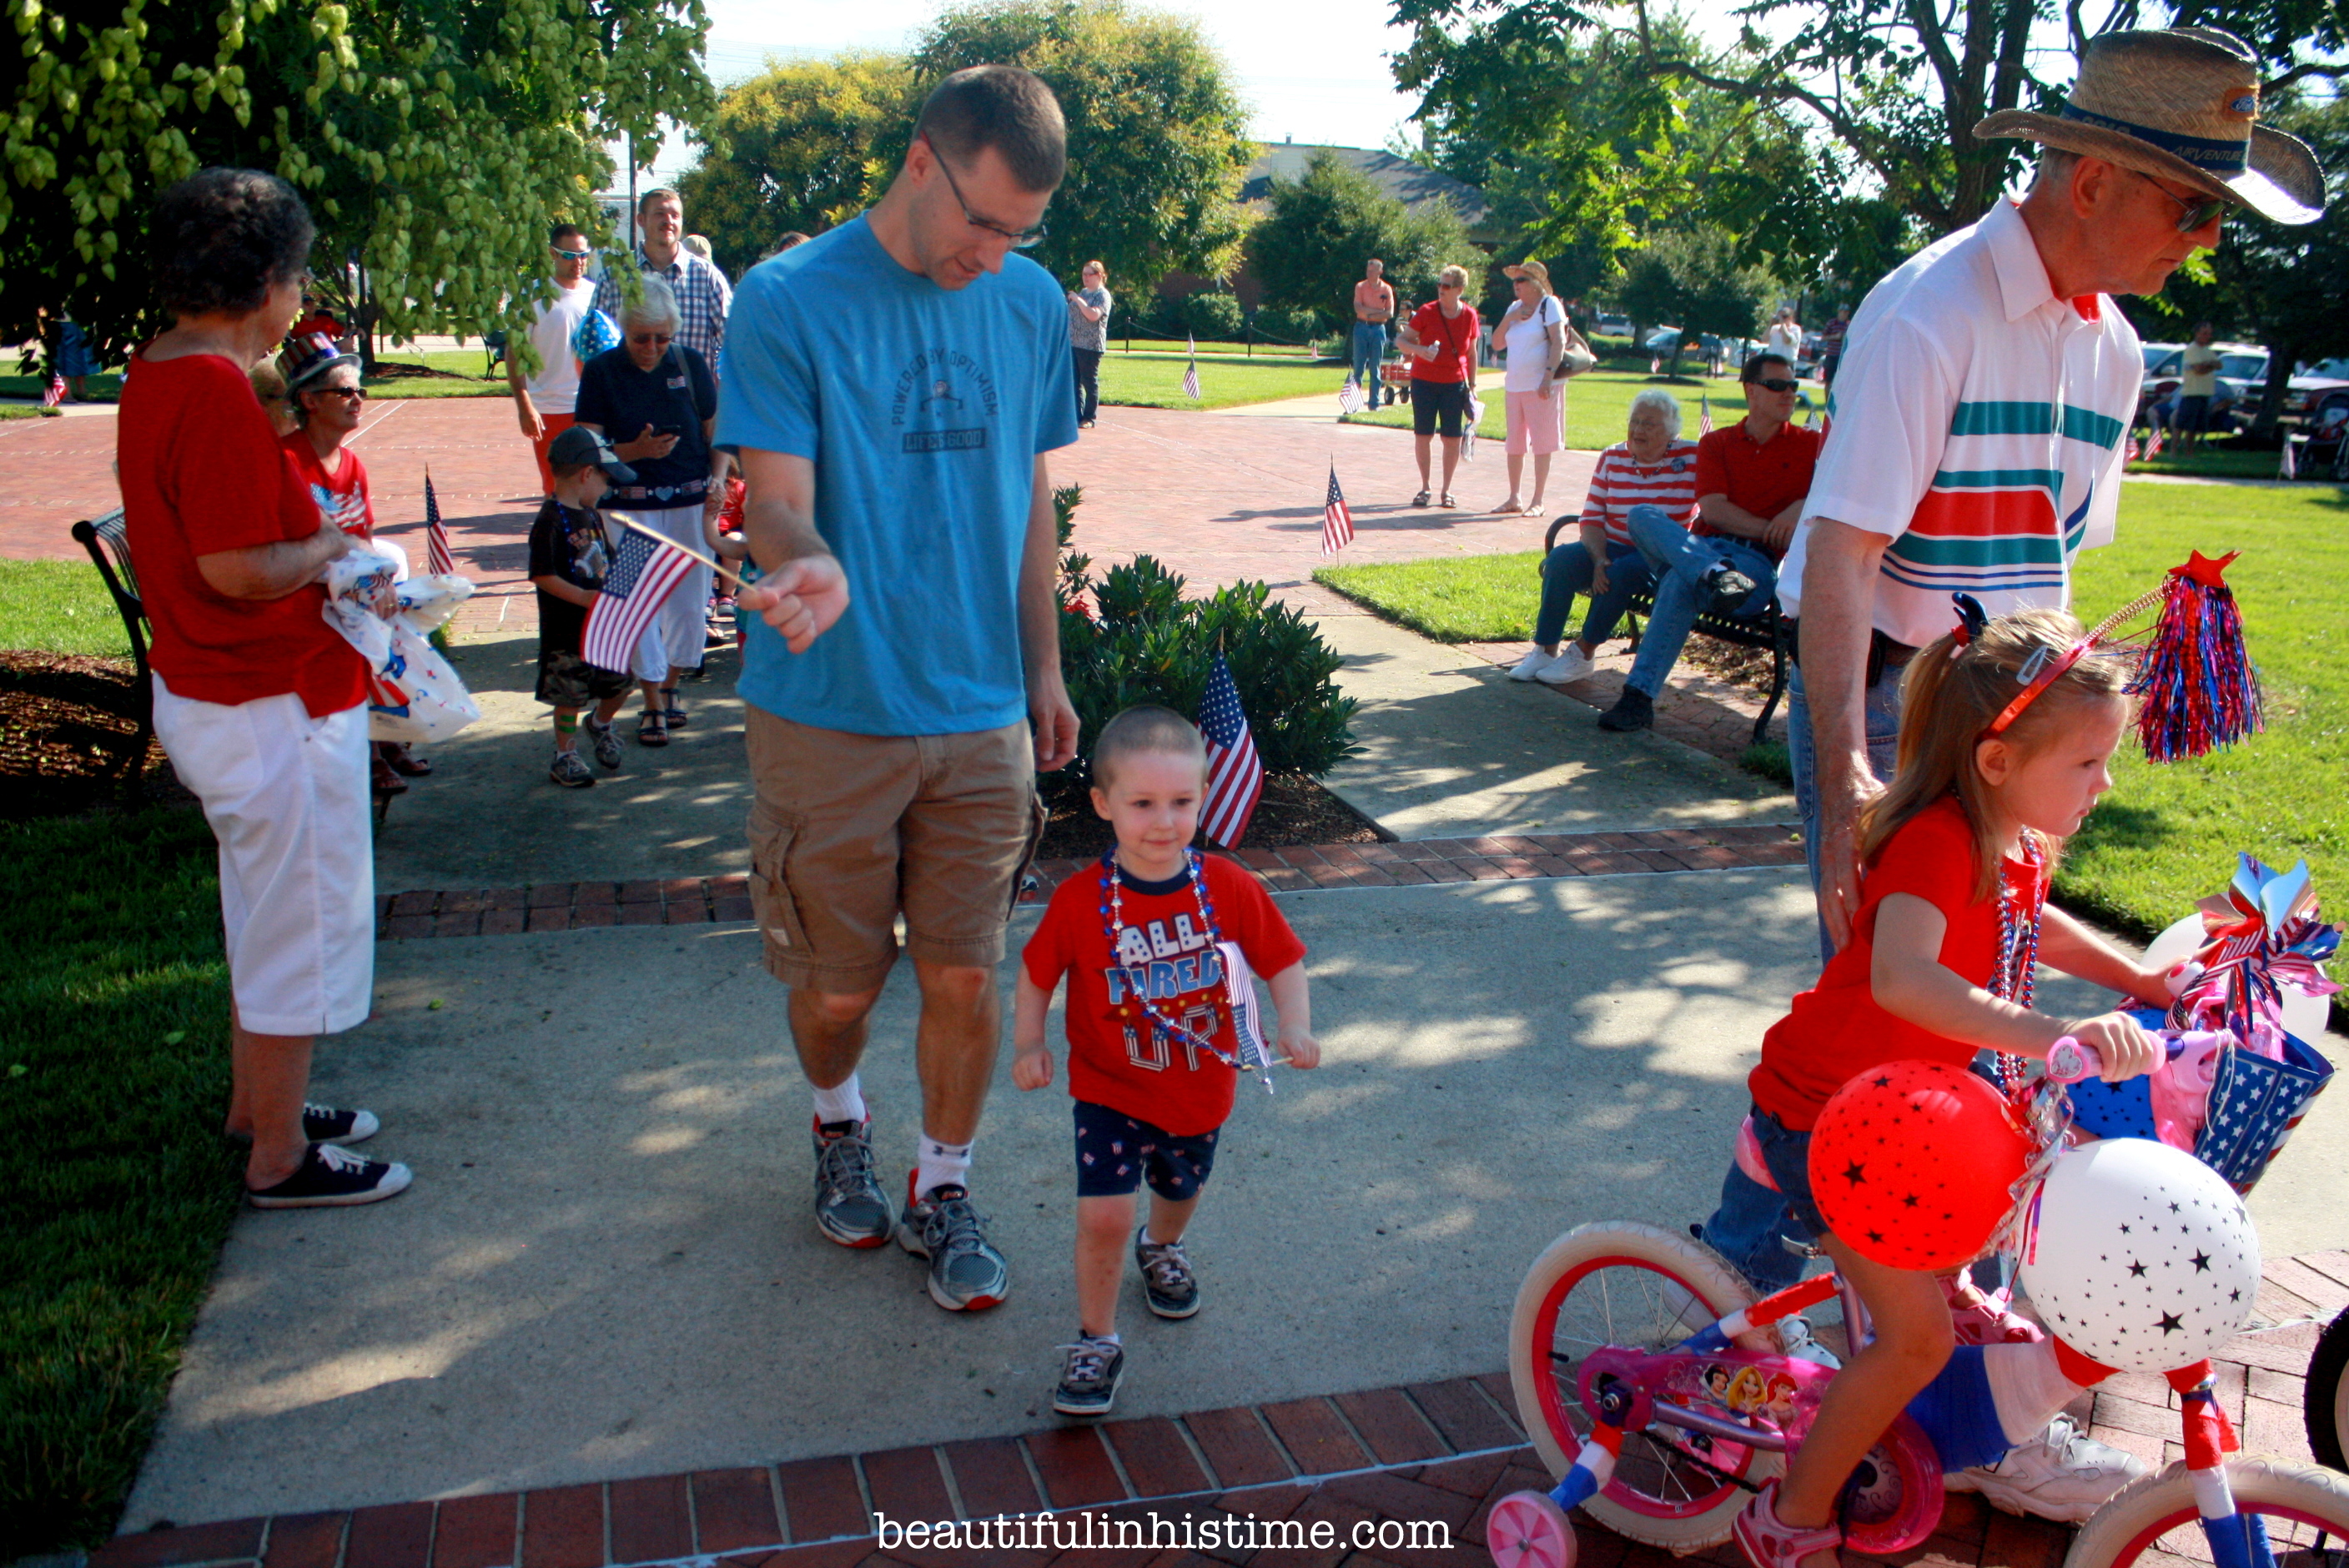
[[1147, 940]]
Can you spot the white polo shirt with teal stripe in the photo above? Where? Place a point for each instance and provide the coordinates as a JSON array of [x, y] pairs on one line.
[[1976, 423]]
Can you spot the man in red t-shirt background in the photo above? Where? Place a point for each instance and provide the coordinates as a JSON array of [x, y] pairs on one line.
[[1751, 478]]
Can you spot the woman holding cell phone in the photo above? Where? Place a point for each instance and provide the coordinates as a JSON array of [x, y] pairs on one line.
[[656, 402]]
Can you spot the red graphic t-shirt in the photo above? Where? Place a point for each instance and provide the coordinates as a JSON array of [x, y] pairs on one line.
[[1835, 1031], [203, 473], [1118, 1057], [343, 498], [1454, 337]]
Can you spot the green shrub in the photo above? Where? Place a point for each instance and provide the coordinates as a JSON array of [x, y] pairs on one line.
[[1287, 326], [1145, 643], [1211, 317]]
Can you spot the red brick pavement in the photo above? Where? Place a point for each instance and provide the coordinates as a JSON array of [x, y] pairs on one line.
[[1217, 496], [694, 901], [1432, 1454]]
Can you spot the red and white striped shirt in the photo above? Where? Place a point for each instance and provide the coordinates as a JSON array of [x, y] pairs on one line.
[[1623, 481]]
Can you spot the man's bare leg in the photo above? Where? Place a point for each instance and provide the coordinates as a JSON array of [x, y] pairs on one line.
[[828, 1030], [955, 1046]]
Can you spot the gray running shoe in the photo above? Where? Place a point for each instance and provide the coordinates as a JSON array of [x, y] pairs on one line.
[[850, 1206], [1089, 1377], [605, 739], [967, 1274], [1167, 1281], [570, 772]]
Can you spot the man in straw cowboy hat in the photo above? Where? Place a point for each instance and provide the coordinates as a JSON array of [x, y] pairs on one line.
[[1976, 419]]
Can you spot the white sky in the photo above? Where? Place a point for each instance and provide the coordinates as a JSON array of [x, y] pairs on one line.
[[1315, 70]]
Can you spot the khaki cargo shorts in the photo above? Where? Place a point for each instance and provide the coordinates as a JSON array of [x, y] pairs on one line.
[[849, 831]]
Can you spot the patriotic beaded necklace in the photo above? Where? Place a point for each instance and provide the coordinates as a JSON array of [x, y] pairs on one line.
[[2018, 949], [1114, 918]]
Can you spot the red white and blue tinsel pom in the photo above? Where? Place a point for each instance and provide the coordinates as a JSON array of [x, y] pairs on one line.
[[2198, 688]]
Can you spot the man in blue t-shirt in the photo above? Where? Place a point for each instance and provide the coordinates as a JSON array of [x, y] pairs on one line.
[[892, 388]]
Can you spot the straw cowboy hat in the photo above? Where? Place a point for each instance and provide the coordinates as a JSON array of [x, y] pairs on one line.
[[2182, 104], [1529, 269]]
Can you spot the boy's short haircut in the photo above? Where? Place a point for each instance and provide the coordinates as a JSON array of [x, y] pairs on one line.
[[566, 470], [1147, 728]]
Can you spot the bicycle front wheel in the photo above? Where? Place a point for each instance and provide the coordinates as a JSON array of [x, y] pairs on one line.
[[1633, 1285], [2152, 1523], [2325, 1399]]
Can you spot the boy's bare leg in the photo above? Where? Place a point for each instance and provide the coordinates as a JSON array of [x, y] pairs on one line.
[[1103, 1226], [1169, 1219]]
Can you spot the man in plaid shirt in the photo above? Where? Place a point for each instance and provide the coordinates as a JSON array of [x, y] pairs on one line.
[[703, 297]]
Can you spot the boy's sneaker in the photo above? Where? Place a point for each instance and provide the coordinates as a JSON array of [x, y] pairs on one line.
[[329, 1178], [570, 772], [325, 1124], [1089, 1377], [605, 739], [967, 1274], [2061, 1474], [1166, 1278], [851, 1207]]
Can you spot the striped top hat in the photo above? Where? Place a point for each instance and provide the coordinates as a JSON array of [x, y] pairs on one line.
[[305, 357], [2183, 104]]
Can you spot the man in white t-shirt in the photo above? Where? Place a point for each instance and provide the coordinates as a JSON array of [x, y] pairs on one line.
[[542, 402]]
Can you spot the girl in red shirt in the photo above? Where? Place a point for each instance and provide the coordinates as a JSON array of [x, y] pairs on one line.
[[2005, 731]]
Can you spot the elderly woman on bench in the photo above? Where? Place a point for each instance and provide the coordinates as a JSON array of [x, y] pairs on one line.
[[1651, 468]]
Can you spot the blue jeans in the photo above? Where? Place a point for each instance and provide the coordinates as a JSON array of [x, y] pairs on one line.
[[1746, 1228], [1369, 353], [1568, 571], [1679, 561]]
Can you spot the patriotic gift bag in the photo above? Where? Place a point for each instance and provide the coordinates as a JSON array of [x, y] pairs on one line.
[[413, 694]]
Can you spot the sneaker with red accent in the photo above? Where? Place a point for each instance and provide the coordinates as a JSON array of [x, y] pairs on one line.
[[967, 1274], [850, 1208], [1769, 1542], [1979, 1319]]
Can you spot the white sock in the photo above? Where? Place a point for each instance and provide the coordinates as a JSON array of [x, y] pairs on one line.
[[1100, 1339], [939, 1163], [842, 1103]]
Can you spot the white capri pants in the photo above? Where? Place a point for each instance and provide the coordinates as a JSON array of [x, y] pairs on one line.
[[680, 632], [287, 796]]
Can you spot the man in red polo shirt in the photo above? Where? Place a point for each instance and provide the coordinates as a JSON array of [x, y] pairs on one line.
[[1751, 479]]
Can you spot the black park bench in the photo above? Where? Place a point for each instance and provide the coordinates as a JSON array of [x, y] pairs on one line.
[[1766, 631]]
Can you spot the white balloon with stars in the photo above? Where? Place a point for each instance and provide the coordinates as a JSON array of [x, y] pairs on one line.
[[2144, 1259]]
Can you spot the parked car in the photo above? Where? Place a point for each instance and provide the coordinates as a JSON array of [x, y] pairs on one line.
[[1610, 325], [2305, 391], [2242, 374]]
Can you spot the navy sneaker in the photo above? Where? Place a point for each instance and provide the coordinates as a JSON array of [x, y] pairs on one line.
[[1089, 1377]]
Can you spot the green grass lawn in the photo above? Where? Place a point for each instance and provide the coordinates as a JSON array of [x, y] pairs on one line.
[[101, 388], [2167, 835], [1599, 405], [58, 607], [1155, 381], [1261, 350]]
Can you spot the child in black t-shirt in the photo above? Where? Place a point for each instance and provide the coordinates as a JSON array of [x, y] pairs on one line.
[[568, 555]]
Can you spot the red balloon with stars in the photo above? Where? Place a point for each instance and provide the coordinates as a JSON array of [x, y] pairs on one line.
[[1912, 1163]]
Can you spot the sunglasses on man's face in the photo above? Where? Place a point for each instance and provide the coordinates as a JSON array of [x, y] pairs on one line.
[[2191, 215], [572, 255], [1775, 383]]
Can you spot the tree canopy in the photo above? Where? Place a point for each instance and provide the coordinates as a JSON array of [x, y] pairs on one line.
[[434, 139], [802, 143], [1308, 250]]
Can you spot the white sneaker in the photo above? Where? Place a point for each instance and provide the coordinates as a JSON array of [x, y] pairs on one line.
[[1524, 669], [1571, 666], [2062, 1474], [1795, 1333]]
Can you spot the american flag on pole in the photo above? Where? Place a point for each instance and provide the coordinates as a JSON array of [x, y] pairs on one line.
[[1704, 414], [1349, 397], [54, 392], [643, 574], [1235, 777], [2153, 444], [437, 561], [2287, 467], [1337, 522], [1191, 376], [2128, 446]]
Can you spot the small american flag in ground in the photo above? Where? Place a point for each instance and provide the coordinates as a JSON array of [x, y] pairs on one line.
[[2286, 467], [642, 572], [54, 393], [1337, 522], [1704, 414], [1349, 397], [2129, 448], [1191, 376], [1235, 777], [2153, 444], [437, 561]]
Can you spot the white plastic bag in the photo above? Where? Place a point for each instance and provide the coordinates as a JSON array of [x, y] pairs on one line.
[[413, 694]]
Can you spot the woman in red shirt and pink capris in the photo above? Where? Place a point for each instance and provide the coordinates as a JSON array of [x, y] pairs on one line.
[[260, 703]]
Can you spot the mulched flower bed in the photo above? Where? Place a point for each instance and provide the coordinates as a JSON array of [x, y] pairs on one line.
[[64, 726], [1294, 811]]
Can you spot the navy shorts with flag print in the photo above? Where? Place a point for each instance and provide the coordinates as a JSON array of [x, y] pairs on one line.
[[1117, 1152]]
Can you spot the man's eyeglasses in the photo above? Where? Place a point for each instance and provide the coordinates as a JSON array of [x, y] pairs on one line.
[[2191, 215], [1775, 384], [1021, 239], [572, 255]]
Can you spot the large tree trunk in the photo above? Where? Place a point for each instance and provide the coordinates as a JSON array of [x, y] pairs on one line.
[[2268, 422]]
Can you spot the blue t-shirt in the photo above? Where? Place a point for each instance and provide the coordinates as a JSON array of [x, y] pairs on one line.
[[924, 410]]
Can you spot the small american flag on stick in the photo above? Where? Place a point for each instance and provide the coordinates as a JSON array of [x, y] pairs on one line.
[[644, 572], [2153, 444], [1349, 397], [1704, 414], [1235, 777], [437, 561], [1337, 522], [54, 392], [1191, 376]]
